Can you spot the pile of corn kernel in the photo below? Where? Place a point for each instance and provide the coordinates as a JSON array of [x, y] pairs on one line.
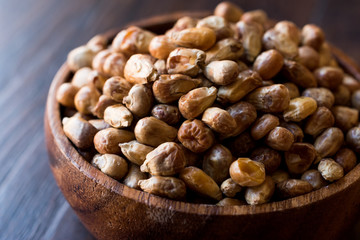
[[230, 109]]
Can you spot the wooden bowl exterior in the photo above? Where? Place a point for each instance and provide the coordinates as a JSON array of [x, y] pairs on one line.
[[111, 210]]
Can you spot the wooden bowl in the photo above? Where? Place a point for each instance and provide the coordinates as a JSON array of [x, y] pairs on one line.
[[111, 210]]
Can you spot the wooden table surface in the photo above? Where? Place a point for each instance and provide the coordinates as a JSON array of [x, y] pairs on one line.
[[36, 36]]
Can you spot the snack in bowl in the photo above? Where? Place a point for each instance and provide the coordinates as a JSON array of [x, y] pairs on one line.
[[120, 209], [231, 106]]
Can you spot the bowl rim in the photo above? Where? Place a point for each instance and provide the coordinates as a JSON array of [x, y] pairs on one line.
[[52, 116]]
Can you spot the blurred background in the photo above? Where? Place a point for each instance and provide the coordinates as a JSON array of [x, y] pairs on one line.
[[36, 36]]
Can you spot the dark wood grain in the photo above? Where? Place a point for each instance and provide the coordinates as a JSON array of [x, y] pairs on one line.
[[34, 40]]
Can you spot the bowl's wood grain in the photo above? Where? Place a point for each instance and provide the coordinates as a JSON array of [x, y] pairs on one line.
[[110, 210]]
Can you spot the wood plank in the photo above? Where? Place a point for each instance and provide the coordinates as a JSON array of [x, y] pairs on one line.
[[36, 37]]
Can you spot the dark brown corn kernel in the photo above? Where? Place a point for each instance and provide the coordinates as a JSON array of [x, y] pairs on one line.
[[323, 96], [216, 163], [167, 113], [241, 145], [293, 188], [300, 157], [263, 126], [329, 142], [346, 158], [353, 138], [329, 77], [195, 136], [309, 57], [345, 117], [298, 74], [267, 156], [321, 119], [244, 114], [280, 139], [295, 129], [268, 63], [274, 98], [314, 178]]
